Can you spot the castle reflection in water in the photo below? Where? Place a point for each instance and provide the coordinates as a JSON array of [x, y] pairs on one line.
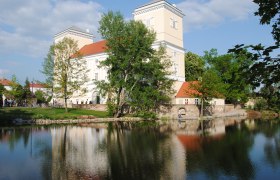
[[125, 151]]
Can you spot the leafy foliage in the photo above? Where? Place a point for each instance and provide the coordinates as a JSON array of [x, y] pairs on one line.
[[231, 70], [271, 94], [194, 66], [40, 96], [69, 69], [209, 86], [17, 92], [136, 72], [269, 11], [2, 89], [48, 67], [265, 69]]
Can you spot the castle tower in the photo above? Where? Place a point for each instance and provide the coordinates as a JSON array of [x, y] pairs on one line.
[[82, 37], [167, 21]]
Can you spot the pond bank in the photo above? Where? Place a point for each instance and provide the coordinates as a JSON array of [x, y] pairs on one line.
[[20, 121]]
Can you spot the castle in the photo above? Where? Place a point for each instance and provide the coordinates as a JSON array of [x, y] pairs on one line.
[[159, 15]]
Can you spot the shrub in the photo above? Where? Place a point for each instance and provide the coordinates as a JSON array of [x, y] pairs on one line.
[[261, 104]]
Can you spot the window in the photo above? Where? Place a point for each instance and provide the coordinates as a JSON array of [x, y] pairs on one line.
[[150, 22], [186, 101], [196, 101], [175, 67], [173, 23]]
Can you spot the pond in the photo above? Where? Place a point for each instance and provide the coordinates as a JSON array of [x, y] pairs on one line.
[[250, 150]]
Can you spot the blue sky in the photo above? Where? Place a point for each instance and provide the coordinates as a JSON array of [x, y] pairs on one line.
[[27, 27]]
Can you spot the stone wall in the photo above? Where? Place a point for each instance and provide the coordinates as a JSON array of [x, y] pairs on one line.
[[97, 107], [189, 111], [229, 107]]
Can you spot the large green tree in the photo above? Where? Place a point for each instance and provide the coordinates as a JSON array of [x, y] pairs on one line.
[[136, 72], [194, 66], [69, 69], [231, 71]]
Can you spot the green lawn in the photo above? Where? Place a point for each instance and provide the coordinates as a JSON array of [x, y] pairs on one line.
[[10, 113]]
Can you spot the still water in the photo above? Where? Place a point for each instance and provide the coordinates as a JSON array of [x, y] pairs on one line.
[[250, 150]]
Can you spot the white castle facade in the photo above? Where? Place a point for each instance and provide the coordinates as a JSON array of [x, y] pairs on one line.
[[167, 22]]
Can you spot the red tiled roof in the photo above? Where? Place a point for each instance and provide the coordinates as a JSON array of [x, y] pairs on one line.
[[187, 90], [37, 85], [5, 82], [94, 48]]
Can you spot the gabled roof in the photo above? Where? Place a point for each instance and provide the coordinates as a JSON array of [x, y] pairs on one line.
[[37, 85], [187, 90], [94, 48], [5, 82]]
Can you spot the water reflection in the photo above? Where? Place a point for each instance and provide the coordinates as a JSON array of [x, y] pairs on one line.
[[250, 150]]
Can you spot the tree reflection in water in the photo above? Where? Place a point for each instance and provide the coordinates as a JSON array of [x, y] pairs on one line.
[[221, 156], [139, 151]]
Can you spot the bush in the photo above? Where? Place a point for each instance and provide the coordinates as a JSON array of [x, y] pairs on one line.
[[261, 104], [111, 108]]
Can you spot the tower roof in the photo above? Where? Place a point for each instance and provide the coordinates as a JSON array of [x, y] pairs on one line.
[[75, 30], [156, 4]]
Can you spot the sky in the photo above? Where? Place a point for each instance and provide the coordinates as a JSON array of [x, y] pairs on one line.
[[27, 27]]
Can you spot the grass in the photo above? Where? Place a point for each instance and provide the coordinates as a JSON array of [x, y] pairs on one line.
[[9, 113]]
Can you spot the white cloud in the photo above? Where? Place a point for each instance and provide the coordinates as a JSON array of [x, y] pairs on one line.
[[28, 26], [206, 13]]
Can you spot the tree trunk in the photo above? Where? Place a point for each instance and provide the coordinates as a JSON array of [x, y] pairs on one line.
[[201, 108], [65, 104], [121, 102], [201, 115], [65, 98]]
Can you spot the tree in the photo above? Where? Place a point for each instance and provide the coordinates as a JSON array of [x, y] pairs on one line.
[[17, 92], [265, 68], [134, 67], [208, 87], [231, 70], [194, 66], [27, 95], [69, 69], [271, 94], [40, 96], [269, 11], [2, 89], [48, 69]]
